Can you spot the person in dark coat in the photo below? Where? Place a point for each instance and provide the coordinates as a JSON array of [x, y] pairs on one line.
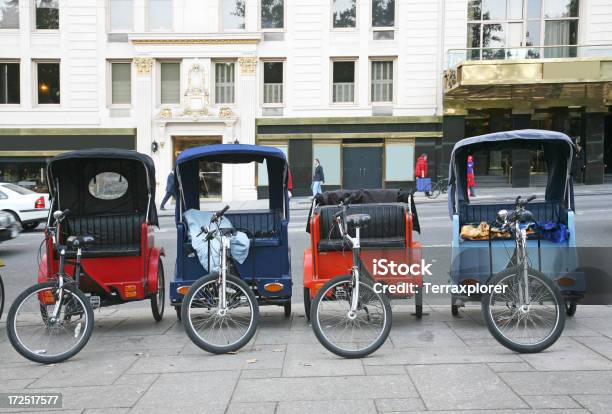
[[169, 190], [318, 178], [578, 165]]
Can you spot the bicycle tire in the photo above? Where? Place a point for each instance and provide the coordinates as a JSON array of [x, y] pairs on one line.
[[322, 338], [159, 298], [37, 357], [1, 297], [551, 338], [188, 323]]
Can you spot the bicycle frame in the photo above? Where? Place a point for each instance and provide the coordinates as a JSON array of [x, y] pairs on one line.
[[356, 268]]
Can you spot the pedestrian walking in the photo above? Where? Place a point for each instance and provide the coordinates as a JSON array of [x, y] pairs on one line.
[[471, 182], [318, 178], [423, 182], [169, 190], [578, 165]]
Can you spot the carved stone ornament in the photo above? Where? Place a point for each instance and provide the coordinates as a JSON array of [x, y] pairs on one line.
[[165, 113], [143, 65], [248, 65], [450, 79], [225, 112], [196, 95]]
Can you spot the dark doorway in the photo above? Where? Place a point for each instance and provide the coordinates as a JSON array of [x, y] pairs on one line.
[[362, 167], [608, 145]]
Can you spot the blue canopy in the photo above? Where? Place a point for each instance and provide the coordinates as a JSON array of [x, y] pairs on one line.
[[558, 153], [187, 171]]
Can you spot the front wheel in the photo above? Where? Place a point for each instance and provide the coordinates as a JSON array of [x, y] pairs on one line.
[[435, 192], [213, 328], [524, 327], [40, 337], [159, 298], [343, 333]]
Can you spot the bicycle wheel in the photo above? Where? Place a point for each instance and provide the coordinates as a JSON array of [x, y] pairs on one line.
[[158, 299], [1, 297], [208, 326], [346, 336], [435, 191], [528, 328], [41, 338]]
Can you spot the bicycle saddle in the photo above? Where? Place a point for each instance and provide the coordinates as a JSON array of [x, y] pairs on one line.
[[358, 220], [80, 241]]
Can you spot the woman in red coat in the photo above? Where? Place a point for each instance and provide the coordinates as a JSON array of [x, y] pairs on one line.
[[421, 170], [471, 182]]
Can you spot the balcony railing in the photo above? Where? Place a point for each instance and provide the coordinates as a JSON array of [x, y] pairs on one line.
[[273, 93], [344, 92], [457, 56]]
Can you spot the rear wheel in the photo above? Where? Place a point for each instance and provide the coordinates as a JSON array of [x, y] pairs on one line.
[[524, 327], [39, 337], [307, 303], [343, 333], [159, 298], [212, 328], [570, 308]]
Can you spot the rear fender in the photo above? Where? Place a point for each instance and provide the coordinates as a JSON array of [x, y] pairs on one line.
[[152, 268], [308, 268]]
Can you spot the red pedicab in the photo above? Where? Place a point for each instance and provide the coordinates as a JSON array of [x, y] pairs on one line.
[[100, 251]]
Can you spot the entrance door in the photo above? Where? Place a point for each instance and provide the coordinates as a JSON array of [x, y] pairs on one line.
[[362, 167], [211, 178]]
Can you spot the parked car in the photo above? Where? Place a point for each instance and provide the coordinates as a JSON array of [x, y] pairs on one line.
[[27, 207], [9, 226]]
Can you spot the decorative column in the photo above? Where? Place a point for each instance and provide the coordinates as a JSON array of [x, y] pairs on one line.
[[245, 187], [143, 112]]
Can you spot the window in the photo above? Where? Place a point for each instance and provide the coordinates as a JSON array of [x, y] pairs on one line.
[[345, 14], [121, 83], [170, 82], [160, 15], [343, 88], [330, 155], [262, 168], [9, 14], [108, 186], [500, 29], [383, 13], [121, 15], [399, 161], [233, 14], [224, 83], [9, 83], [48, 82], [273, 82], [47, 14], [18, 189], [382, 81], [272, 14]]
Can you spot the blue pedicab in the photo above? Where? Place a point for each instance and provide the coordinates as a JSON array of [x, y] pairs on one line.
[[527, 246], [230, 262]]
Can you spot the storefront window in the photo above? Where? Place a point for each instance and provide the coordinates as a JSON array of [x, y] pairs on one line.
[[28, 173], [262, 169], [329, 154], [399, 160]]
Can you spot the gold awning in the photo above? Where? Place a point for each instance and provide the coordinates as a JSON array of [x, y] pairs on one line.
[[528, 84]]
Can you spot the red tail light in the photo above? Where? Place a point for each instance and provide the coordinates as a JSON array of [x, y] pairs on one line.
[[40, 202]]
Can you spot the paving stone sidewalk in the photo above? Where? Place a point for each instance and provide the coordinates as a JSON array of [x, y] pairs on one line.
[[439, 364]]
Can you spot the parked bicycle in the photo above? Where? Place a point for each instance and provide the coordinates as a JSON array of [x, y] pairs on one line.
[[220, 312], [52, 321], [529, 316], [349, 317], [437, 188]]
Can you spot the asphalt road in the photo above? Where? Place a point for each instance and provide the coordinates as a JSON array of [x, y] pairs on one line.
[[594, 228]]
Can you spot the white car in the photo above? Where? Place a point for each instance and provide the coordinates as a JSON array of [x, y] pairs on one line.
[[28, 208]]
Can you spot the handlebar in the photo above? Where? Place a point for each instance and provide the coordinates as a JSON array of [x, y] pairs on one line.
[[220, 213], [60, 214]]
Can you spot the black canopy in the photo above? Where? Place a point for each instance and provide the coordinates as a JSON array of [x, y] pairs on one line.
[[558, 153], [70, 174]]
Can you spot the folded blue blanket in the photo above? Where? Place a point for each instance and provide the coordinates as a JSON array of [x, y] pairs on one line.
[[240, 243]]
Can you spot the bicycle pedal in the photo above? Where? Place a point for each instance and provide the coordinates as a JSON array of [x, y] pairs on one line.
[[94, 301]]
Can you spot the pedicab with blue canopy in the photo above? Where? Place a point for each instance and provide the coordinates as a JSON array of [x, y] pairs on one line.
[[480, 250], [262, 257]]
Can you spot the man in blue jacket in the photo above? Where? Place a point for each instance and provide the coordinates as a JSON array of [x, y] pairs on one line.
[[169, 190]]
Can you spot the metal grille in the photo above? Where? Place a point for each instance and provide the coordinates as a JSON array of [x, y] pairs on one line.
[[344, 92], [382, 81], [224, 83], [273, 93]]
